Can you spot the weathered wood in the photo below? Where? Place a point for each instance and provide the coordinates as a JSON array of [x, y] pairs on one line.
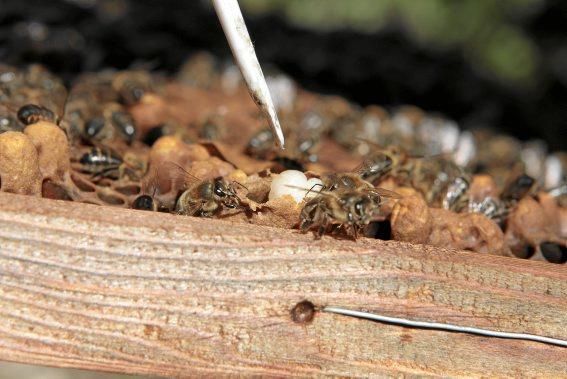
[[128, 291]]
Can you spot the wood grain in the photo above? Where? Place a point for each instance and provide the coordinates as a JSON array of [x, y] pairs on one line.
[[128, 291]]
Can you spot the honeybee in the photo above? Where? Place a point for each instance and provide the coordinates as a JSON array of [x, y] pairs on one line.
[[456, 196], [203, 198], [382, 162], [351, 209], [31, 113], [442, 182], [42, 88], [499, 209], [517, 188], [103, 162], [108, 122]]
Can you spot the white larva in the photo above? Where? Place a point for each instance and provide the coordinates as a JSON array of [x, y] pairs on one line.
[[295, 184]]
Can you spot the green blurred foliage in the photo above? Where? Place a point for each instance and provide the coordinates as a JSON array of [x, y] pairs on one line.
[[488, 31]]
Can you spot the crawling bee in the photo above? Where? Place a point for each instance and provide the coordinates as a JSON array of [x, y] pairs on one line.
[[342, 208], [203, 198], [32, 113], [499, 209], [382, 162], [442, 182], [110, 121], [456, 195], [350, 181], [16, 118], [103, 162]]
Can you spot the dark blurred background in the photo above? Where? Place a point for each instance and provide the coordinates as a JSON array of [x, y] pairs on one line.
[[501, 64]]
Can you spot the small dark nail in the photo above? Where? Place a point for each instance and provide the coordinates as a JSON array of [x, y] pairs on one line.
[[303, 312]]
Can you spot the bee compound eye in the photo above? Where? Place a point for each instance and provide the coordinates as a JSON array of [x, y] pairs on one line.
[[219, 191]]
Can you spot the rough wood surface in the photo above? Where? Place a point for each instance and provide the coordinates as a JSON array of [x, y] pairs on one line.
[[127, 291]]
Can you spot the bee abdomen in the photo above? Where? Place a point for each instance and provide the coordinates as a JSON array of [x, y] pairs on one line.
[[31, 113], [98, 159]]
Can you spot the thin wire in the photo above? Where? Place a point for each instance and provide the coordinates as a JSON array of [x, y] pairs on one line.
[[443, 326]]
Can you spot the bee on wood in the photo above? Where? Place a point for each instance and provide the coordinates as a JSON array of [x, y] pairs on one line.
[[203, 198], [103, 162], [345, 208]]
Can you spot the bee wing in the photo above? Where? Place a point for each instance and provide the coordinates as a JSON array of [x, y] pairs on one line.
[[387, 193], [179, 177], [150, 182]]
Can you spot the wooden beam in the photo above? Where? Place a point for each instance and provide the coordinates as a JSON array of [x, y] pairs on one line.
[[134, 292]]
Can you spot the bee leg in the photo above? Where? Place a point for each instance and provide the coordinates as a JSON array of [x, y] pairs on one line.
[[125, 171], [321, 231], [354, 231], [103, 173], [305, 225], [323, 226]]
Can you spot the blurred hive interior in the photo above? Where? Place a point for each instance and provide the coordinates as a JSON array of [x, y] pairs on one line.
[[497, 64]]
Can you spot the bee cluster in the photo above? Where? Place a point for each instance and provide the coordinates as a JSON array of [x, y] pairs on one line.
[[196, 145]]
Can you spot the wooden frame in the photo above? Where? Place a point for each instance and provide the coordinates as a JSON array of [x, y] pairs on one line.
[[136, 292]]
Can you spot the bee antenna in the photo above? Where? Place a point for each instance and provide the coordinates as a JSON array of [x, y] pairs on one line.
[[313, 186], [240, 184], [324, 193]]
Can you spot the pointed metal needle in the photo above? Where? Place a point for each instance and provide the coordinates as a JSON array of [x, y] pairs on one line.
[[238, 38]]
